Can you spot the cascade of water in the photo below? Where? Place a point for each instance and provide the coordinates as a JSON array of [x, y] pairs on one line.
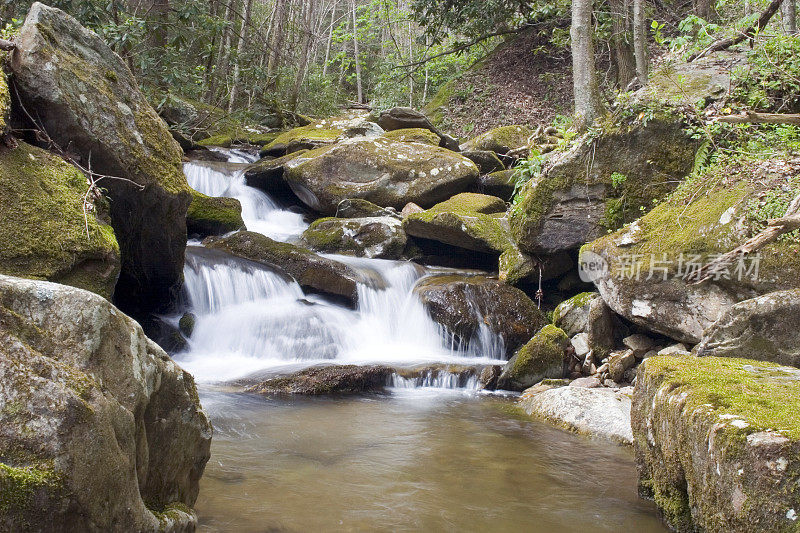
[[435, 380], [250, 319]]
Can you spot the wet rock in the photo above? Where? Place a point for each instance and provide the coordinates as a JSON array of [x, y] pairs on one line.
[[542, 357], [489, 375], [44, 225], [186, 324], [310, 270], [619, 363], [98, 426], [715, 444], [500, 140], [573, 203], [357, 208], [385, 172], [310, 137], [348, 379], [766, 328], [461, 304], [595, 412], [573, 315], [474, 222], [438, 375], [267, 175], [209, 215], [381, 238], [89, 103], [486, 161], [600, 327]]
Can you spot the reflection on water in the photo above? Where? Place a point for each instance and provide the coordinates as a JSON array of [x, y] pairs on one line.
[[414, 460]]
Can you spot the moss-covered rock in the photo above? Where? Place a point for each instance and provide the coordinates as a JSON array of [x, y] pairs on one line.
[[542, 357], [766, 328], [267, 175], [501, 184], [47, 233], [500, 140], [385, 172], [89, 103], [604, 181], [311, 271], [475, 222], [572, 315], [373, 237], [5, 102], [463, 304], [239, 135], [97, 423], [705, 217], [413, 135], [358, 208], [486, 161], [717, 442], [213, 215], [307, 137]]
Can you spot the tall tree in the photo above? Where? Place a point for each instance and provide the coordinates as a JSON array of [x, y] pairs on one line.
[[356, 57], [237, 68], [640, 41], [789, 15], [620, 38], [588, 104]]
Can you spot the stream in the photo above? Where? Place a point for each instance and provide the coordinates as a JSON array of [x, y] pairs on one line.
[[428, 455]]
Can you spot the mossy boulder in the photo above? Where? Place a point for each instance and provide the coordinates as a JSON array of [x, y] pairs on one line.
[[307, 137], [209, 215], [5, 102], [267, 175], [717, 442], [385, 172], [572, 315], [500, 140], [464, 304], [346, 379], [310, 270], [90, 104], [766, 328], [501, 184], [238, 136], [474, 222], [381, 238], [413, 135], [98, 426], [196, 119], [486, 160], [540, 358], [403, 118], [47, 233], [358, 208], [604, 181], [702, 219]]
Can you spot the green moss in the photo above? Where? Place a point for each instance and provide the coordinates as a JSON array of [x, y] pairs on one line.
[[764, 394], [324, 233], [313, 132], [502, 139], [5, 100], [209, 214], [435, 107], [543, 352], [415, 135], [576, 302], [45, 227], [239, 136], [20, 486]]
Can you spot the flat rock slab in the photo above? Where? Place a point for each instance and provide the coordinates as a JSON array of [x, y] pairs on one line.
[[595, 412]]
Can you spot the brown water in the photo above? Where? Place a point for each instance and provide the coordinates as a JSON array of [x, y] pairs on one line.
[[409, 461]]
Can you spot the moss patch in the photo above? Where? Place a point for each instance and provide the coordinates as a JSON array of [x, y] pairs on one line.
[[318, 131], [213, 216], [43, 223], [19, 487], [502, 139], [5, 100], [239, 136], [413, 135]]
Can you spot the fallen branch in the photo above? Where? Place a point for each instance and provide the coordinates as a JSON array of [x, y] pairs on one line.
[[724, 44], [7, 46], [751, 117], [775, 228]]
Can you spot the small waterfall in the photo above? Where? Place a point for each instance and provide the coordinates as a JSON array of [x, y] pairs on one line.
[[436, 380], [250, 319], [259, 212]]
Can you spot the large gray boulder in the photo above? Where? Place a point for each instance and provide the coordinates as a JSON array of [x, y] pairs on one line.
[[463, 303], [89, 103], [385, 172], [371, 237], [601, 183], [717, 442], [99, 429], [766, 328], [405, 118]]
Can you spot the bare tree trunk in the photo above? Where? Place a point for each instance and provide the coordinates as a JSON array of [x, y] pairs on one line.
[[588, 105], [705, 9], [307, 28], [623, 52], [640, 41], [789, 15], [276, 42], [330, 40], [356, 57], [237, 69]]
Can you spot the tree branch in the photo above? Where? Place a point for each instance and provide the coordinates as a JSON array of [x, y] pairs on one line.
[[724, 44], [7, 46]]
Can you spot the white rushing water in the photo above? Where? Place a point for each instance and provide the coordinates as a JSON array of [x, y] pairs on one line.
[[251, 320]]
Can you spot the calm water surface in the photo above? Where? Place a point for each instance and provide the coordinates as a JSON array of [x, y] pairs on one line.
[[412, 460]]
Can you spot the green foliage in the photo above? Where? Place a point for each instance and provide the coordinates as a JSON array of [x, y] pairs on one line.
[[771, 79], [617, 179], [525, 171]]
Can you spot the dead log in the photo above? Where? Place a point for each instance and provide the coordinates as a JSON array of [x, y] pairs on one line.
[[751, 117], [724, 44]]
